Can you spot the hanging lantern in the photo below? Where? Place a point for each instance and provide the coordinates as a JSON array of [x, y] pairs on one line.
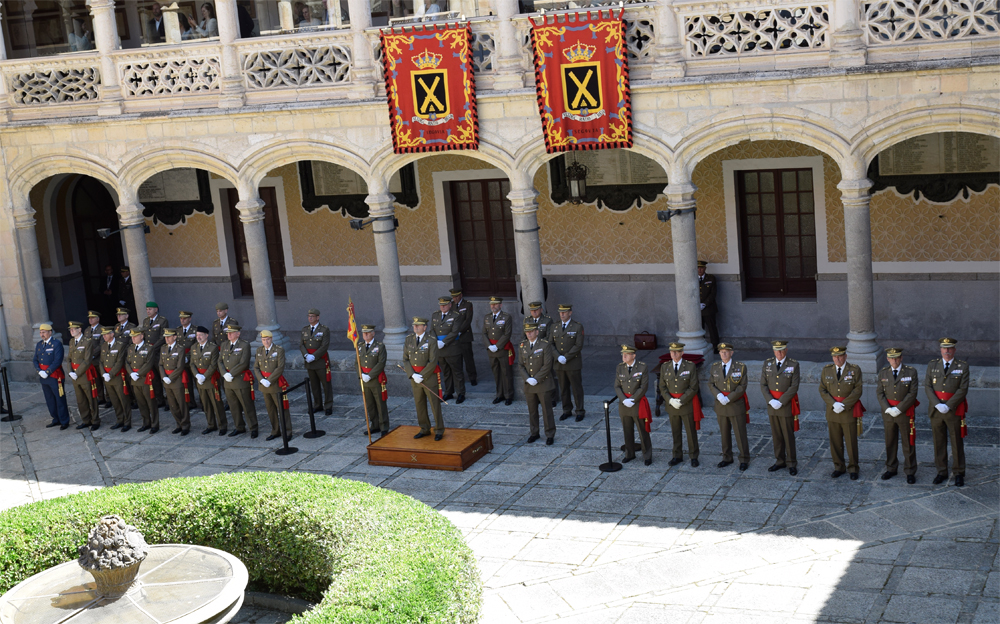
[[576, 176]]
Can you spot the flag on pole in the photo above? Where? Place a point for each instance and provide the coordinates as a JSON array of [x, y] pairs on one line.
[[352, 324]]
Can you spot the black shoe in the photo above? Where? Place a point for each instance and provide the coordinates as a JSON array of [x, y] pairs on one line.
[[54, 423], [271, 437], [549, 441], [694, 463], [460, 399], [184, 432], [674, 461], [508, 402], [647, 462], [176, 430], [836, 473], [555, 402], [384, 433], [888, 475], [125, 428], [565, 416], [116, 426], [854, 476], [222, 432], [376, 430], [775, 467], [959, 480], [626, 460], [253, 434], [744, 466], [497, 400], [911, 479], [329, 411], [209, 430], [793, 471], [64, 427], [533, 438], [235, 433], [473, 382], [939, 479], [154, 430], [438, 437], [723, 464], [420, 434], [143, 428], [95, 427], [448, 396], [82, 426]]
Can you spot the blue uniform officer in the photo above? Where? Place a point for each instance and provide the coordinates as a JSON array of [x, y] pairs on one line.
[[48, 362]]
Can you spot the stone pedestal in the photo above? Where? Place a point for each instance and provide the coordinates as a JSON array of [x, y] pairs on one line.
[[848, 47], [233, 95], [509, 51], [669, 53], [106, 41]]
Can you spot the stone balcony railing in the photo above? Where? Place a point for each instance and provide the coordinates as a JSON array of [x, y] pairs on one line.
[[700, 37]]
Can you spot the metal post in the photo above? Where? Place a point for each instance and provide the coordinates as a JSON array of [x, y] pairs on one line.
[[10, 405], [285, 449], [313, 432], [611, 466]]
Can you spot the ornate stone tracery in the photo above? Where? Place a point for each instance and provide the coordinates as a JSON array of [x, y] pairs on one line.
[[756, 30], [897, 21], [56, 86]]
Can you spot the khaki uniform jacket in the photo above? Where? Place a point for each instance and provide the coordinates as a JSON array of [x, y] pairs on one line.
[[568, 342], [537, 362], [235, 360], [81, 351], [903, 389], [140, 359], [634, 384], [122, 331], [849, 387], [447, 325], [271, 362], [707, 288], [319, 340], [373, 358], [464, 310], [153, 329], [543, 323], [425, 354], [683, 382], [187, 338], [500, 331], [207, 358], [113, 357], [957, 381], [172, 360], [219, 336], [93, 332], [784, 379], [735, 383]]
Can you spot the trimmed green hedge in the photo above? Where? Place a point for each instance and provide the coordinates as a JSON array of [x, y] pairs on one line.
[[364, 554]]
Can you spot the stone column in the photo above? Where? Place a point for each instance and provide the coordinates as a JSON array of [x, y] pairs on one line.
[[848, 47], [363, 74], [4, 96], [31, 265], [171, 24], [680, 196], [524, 210], [3, 46], [133, 224], [285, 15], [106, 41], [509, 51], [384, 229], [251, 212], [232, 72], [861, 346], [669, 47]]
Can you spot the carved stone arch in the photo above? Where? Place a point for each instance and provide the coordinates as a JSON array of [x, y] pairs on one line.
[[532, 155], [138, 166], [384, 162], [255, 166], [25, 176]]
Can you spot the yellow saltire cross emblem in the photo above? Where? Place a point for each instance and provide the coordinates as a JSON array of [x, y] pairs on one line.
[[582, 89], [430, 92]]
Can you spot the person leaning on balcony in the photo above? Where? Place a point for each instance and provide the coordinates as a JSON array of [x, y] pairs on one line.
[[155, 32], [208, 26], [305, 16]]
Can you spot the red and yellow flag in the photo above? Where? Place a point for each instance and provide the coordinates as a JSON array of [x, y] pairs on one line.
[[352, 324]]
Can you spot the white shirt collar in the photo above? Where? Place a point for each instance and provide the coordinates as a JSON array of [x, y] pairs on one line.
[[139, 346], [420, 336], [947, 361]]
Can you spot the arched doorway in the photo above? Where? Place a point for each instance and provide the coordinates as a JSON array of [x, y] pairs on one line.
[[101, 258]]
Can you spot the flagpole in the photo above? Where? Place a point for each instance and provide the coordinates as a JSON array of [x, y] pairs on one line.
[[352, 323]]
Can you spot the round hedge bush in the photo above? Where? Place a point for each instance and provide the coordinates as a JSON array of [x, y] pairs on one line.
[[364, 554]]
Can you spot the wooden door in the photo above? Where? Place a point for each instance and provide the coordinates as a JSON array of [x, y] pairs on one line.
[[484, 237], [272, 232]]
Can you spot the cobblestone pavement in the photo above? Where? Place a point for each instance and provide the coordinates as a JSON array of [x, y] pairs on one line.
[[557, 539]]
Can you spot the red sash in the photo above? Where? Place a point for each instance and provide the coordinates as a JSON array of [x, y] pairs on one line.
[[184, 382], [214, 380], [912, 413], [150, 376], [326, 358], [282, 385], [961, 410], [696, 404], [857, 412], [746, 404], [795, 407], [58, 374], [248, 376], [510, 351], [382, 379], [437, 371], [91, 377], [124, 383], [644, 412]]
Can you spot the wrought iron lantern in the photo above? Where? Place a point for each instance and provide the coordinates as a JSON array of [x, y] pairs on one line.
[[576, 177]]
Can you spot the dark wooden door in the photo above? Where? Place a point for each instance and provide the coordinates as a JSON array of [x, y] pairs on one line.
[[484, 237], [777, 232], [274, 251]]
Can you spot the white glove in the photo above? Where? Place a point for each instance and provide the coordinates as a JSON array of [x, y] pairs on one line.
[[492, 348], [893, 411], [838, 407], [73, 375], [200, 378], [721, 398], [774, 403], [417, 377], [265, 383], [365, 377], [107, 376], [441, 344], [532, 381], [43, 374], [166, 380], [702, 305], [562, 359], [628, 402], [227, 377], [134, 376], [942, 407], [310, 357], [675, 403]]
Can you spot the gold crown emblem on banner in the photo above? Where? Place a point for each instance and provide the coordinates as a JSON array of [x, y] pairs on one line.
[[427, 60], [579, 52]]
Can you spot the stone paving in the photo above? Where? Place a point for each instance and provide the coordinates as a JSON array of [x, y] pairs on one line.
[[557, 540]]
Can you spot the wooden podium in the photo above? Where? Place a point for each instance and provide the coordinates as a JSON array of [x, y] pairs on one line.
[[459, 449]]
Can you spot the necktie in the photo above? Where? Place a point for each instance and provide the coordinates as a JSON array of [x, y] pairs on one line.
[[312, 330], [565, 325], [725, 370], [495, 318], [838, 373], [368, 346], [677, 369], [629, 370], [895, 374], [531, 346], [946, 365]]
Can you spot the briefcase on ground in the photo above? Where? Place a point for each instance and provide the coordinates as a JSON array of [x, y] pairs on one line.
[[645, 341]]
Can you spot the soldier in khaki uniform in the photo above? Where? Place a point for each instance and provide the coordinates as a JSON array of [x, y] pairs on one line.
[[204, 357], [631, 383], [234, 364], [498, 327], [372, 360], [463, 308], [679, 381], [173, 372], [445, 324], [840, 387], [896, 389], [153, 326], [112, 363], [124, 327], [186, 332], [536, 364], [269, 367], [779, 383], [420, 360], [707, 289], [728, 380], [80, 356], [140, 361], [219, 324], [314, 346], [947, 385], [542, 322], [93, 331], [566, 337]]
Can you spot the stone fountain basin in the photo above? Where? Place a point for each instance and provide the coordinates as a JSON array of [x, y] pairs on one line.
[[177, 583]]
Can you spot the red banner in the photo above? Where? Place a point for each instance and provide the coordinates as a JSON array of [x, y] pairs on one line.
[[581, 78], [431, 90]]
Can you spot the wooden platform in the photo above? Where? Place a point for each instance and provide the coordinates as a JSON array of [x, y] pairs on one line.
[[459, 449]]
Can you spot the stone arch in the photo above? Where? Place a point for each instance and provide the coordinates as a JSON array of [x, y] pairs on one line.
[[258, 164], [533, 155], [139, 165], [385, 161], [27, 175]]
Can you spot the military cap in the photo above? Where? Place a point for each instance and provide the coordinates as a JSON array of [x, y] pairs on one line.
[[106, 330], [444, 300], [628, 348], [222, 306], [419, 320], [779, 345], [726, 346], [455, 292], [535, 305], [530, 327], [201, 329], [946, 343], [184, 314], [367, 328], [75, 324], [838, 350], [702, 264], [232, 327], [266, 333], [313, 311], [893, 352], [123, 270], [135, 332], [676, 346], [45, 327], [92, 314], [152, 304], [565, 307], [121, 311], [169, 332], [496, 299]]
